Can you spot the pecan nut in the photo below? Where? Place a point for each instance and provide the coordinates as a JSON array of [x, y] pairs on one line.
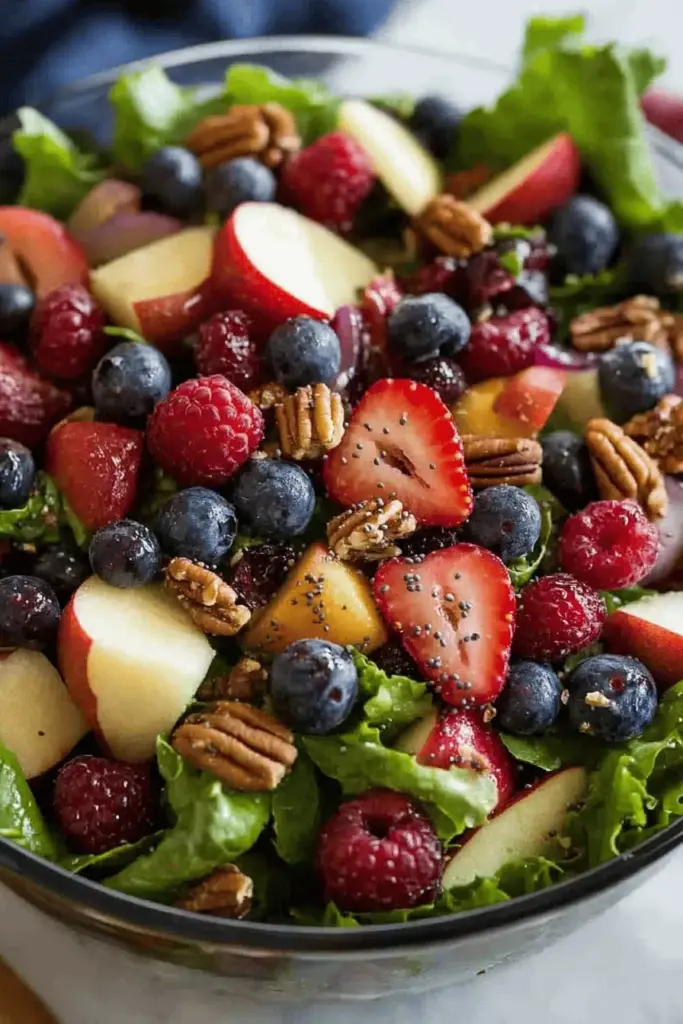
[[660, 432], [245, 681], [367, 532], [636, 319], [502, 460], [268, 395], [208, 599], [268, 132], [225, 893], [454, 227], [310, 422], [242, 746], [623, 469]]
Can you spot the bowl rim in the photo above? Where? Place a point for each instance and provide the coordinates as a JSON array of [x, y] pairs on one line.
[[307, 941]]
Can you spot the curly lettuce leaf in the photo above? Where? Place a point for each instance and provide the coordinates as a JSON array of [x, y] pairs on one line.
[[296, 812], [311, 103], [546, 33], [57, 174], [213, 826], [391, 702], [38, 522], [20, 817]]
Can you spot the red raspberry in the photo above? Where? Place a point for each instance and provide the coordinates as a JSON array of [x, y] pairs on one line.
[[557, 615], [29, 405], [67, 334], [202, 432], [379, 852], [329, 180], [503, 345], [260, 572], [609, 545], [444, 274], [101, 804], [443, 375], [225, 345]]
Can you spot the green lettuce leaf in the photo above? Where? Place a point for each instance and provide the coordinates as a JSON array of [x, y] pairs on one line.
[[549, 504], [58, 174], [296, 812], [546, 33], [615, 599], [311, 103], [20, 817], [112, 860], [557, 749], [391, 702], [159, 487], [577, 295], [521, 570], [38, 522], [213, 826]]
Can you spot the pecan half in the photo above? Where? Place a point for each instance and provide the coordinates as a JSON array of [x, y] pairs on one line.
[[502, 460], [454, 227], [623, 469], [660, 432], [242, 746], [245, 681], [636, 319], [268, 395], [367, 532], [225, 893], [310, 422], [268, 132], [209, 600]]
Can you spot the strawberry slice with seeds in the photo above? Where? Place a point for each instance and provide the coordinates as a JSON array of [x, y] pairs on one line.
[[454, 613], [401, 442]]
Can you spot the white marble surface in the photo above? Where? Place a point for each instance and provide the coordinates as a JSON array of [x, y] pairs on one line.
[[624, 967]]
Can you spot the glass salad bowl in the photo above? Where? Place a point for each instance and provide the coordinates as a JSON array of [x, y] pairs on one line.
[[296, 962]]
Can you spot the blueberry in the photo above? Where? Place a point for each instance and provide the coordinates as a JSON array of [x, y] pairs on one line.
[[313, 685], [530, 702], [654, 265], [196, 523], [244, 180], [303, 351], [426, 326], [567, 470], [585, 234], [29, 612], [633, 377], [17, 473], [506, 520], [125, 554], [16, 306], [129, 381], [276, 498], [611, 697], [172, 181], [435, 121], [63, 569]]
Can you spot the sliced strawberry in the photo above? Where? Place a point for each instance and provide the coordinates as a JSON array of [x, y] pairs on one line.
[[531, 395], [455, 615], [96, 467], [401, 442], [29, 405]]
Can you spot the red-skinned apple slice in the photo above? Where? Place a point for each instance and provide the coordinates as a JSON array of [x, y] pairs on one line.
[[132, 660], [538, 183], [463, 740], [44, 248], [666, 574], [650, 630], [102, 201], [277, 264], [525, 828], [126, 231], [665, 111], [39, 723], [531, 395]]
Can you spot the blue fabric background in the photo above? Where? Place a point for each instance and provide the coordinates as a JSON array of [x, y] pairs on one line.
[[48, 43]]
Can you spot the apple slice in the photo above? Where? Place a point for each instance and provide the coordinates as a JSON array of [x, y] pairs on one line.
[[665, 111], [538, 183], [525, 828], [44, 248], [162, 277], [132, 659], [666, 574], [126, 231], [531, 395], [277, 264], [102, 201], [651, 630], [581, 399], [39, 723], [403, 165]]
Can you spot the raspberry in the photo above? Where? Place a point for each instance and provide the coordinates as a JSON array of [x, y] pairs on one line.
[[609, 545], [260, 572], [395, 661], [329, 180], [503, 345], [67, 334], [379, 852], [557, 615], [444, 375], [225, 345], [202, 432], [101, 804], [29, 405], [444, 274]]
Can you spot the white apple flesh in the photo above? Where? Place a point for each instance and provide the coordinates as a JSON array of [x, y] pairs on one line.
[[133, 660], [406, 169], [525, 828], [650, 630], [39, 721]]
